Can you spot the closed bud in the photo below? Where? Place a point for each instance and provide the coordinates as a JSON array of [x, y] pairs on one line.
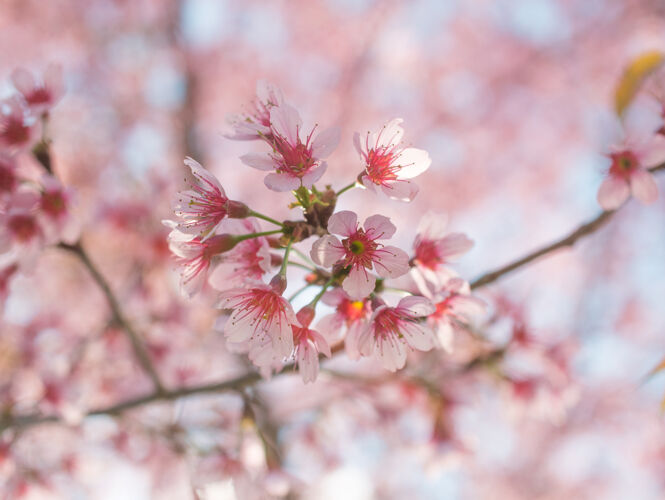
[[237, 210]]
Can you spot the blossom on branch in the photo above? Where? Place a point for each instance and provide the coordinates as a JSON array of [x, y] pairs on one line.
[[360, 251], [295, 161], [18, 128], [308, 344], [40, 96], [255, 124], [392, 331], [388, 164]]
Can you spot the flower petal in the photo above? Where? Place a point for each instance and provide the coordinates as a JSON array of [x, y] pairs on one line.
[[413, 162], [416, 306], [286, 121], [325, 143], [359, 283], [379, 227], [643, 186], [344, 222], [400, 190], [327, 250], [391, 262], [260, 161], [281, 182], [613, 192]]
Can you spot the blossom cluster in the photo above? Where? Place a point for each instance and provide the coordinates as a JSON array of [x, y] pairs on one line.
[[34, 207], [383, 302]]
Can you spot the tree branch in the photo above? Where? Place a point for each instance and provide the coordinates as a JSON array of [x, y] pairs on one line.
[[569, 240], [118, 316]]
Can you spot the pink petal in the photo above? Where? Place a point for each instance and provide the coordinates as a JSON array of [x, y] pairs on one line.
[[201, 173], [334, 297], [400, 190], [454, 245], [419, 336], [260, 161], [314, 175], [392, 353], [417, 306], [359, 283], [308, 362], [344, 222], [613, 192], [281, 182], [53, 80], [321, 343], [391, 262], [413, 162], [330, 326], [325, 143], [357, 144], [468, 306], [268, 93], [643, 186], [433, 226], [327, 250], [23, 80], [445, 334], [285, 121], [379, 227]]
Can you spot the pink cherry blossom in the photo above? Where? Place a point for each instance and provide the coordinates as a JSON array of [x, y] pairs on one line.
[[388, 163], [255, 124], [261, 316], [20, 229], [294, 161], [55, 210], [8, 177], [40, 96], [350, 314], [249, 260], [202, 208], [392, 331], [194, 256], [628, 173], [455, 306], [434, 247], [18, 129], [360, 251], [308, 344]]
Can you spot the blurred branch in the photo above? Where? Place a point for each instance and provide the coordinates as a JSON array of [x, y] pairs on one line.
[[43, 156], [567, 241], [118, 316]]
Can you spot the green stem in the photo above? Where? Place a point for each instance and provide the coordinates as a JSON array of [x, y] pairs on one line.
[[316, 299], [301, 266], [346, 188], [244, 237], [252, 213], [285, 262]]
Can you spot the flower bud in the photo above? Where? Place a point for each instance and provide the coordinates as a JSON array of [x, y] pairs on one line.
[[305, 316], [278, 283], [237, 210]]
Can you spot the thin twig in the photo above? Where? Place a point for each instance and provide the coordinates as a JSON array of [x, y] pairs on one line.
[[118, 316], [569, 240]]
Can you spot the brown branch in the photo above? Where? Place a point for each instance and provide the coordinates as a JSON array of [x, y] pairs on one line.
[[567, 241], [118, 316]]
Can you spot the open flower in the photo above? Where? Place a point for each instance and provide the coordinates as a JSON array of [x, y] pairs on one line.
[[194, 256], [202, 208], [455, 306], [260, 316], [21, 232], [628, 173], [392, 331], [18, 129], [295, 161], [360, 251], [40, 96], [249, 260], [308, 344], [388, 163], [255, 124], [434, 247], [350, 314]]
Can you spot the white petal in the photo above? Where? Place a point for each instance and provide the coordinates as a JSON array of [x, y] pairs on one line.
[[314, 175], [417, 306], [433, 226], [418, 336], [286, 121], [413, 162], [400, 190], [281, 182], [391, 134], [392, 353]]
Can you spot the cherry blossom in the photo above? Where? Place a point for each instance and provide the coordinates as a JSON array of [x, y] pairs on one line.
[[360, 252], [18, 129], [350, 314], [295, 161], [194, 256], [388, 164], [628, 173], [392, 331], [261, 316], [255, 124], [20, 230], [40, 96], [55, 210], [202, 208], [455, 306], [308, 344]]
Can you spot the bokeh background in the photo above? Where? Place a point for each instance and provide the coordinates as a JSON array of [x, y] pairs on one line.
[[514, 102]]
